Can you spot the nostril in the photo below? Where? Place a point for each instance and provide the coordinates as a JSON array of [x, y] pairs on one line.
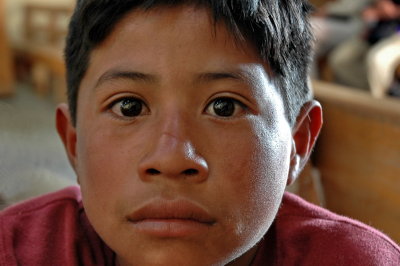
[[152, 171], [191, 171]]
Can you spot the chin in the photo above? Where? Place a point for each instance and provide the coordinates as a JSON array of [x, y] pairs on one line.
[[173, 255], [162, 259]]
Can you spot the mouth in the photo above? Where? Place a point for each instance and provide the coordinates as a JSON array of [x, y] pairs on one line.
[[171, 219]]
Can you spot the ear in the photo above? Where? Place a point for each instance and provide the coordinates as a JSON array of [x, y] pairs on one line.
[[304, 135], [67, 132]]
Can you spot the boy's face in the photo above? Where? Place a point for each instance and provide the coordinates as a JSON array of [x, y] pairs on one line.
[[182, 148]]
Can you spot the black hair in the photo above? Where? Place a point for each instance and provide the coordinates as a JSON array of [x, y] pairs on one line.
[[279, 29]]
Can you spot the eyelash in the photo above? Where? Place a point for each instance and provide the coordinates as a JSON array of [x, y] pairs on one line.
[[126, 98], [211, 104], [236, 103]]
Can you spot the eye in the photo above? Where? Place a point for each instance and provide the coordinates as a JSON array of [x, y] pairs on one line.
[[128, 107], [225, 107]]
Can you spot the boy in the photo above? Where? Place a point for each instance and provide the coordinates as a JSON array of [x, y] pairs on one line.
[[186, 120]]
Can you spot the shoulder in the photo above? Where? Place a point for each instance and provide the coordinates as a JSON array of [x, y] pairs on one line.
[[51, 230], [53, 208], [68, 196], [316, 234], [27, 229]]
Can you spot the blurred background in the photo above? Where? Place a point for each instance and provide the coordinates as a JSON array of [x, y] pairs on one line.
[[355, 169]]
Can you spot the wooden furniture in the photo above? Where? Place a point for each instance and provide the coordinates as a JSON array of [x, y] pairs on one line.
[[358, 155], [319, 3], [45, 28], [6, 66]]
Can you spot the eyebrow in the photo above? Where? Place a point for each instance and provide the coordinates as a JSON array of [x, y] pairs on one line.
[[129, 75], [241, 75], [213, 76], [205, 77]]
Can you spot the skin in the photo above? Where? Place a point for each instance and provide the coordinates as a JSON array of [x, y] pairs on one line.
[[178, 148]]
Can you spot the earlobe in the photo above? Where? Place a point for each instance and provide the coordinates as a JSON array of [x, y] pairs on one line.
[[67, 132], [305, 133]]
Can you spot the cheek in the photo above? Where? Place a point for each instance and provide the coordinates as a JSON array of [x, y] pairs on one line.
[[97, 160], [255, 171], [94, 169], [106, 173], [105, 169], [256, 158], [108, 153]]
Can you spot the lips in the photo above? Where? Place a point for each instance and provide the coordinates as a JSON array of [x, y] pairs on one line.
[[176, 209], [176, 218]]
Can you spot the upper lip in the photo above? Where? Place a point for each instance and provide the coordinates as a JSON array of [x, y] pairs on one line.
[[179, 209]]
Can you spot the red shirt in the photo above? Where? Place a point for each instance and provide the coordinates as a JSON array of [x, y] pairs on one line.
[[53, 230]]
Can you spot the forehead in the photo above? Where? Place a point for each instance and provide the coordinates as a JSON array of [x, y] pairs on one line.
[[175, 43], [181, 26]]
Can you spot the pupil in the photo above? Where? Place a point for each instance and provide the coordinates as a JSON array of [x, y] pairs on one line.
[[224, 107], [131, 107]]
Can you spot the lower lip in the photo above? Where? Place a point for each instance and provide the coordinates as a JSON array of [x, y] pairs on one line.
[[170, 228]]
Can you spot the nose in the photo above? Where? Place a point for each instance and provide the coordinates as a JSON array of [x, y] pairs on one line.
[[172, 155]]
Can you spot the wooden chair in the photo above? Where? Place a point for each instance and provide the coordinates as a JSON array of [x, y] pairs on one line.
[[45, 28], [2, 203], [319, 3], [6, 66], [358, 156]]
